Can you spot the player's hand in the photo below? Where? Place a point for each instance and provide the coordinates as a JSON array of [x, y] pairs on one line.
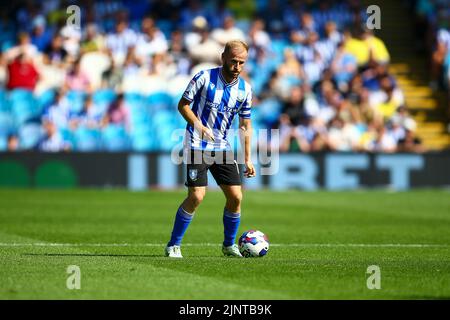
[[249, 170], [207, 134]]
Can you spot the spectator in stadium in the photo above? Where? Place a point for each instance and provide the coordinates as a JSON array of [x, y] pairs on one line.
[[438, 58], [23, 47], [384, 142], [356, 45], [40, 34], [150, 42], [306, 26], [76, 79], [118, 113], [89, 116], [71, 38], [59, 111], [191, 10], [410, 143], [207, 50], [54, 53], [344, 66], [310, 57], [228, 32], [386, 100], [131, 65], [53, 140], [257, 36], [22, 74], [120, 41], [342, 135], [178, 53], [92, 40], [378, 50]]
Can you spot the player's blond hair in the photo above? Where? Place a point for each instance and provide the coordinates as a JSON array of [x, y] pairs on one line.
[[230, 45]]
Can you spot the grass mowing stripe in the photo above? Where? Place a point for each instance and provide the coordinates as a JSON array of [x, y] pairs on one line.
[[306, 245], [321, 245]]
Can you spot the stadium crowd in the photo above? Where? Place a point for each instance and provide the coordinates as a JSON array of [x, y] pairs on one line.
[[319, 76], [432, 27]]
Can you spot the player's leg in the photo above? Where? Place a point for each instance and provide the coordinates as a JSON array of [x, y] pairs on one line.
[[231, 212], [228, 178], [196, 182], [183, 218]]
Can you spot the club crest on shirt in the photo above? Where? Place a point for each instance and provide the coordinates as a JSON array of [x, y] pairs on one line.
[[193, 174], [241, 97]]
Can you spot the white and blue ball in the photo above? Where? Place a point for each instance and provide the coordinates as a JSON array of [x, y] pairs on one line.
[[253, 243]]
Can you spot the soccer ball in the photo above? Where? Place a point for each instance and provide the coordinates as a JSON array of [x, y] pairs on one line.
[[253, 243]]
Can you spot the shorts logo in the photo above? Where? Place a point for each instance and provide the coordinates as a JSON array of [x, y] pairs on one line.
[[193, 174]]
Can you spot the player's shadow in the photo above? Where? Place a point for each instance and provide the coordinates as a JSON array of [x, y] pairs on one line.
[[94, 255]]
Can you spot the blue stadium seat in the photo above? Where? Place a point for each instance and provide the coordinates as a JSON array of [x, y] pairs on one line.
[[30, 135], [25, 110], [165, 26], [159, 101], [144, 139], [45, 99], [87, 139], [76, 100], [4, 103], [115, 138], [6, 123], [163, 118], [104, 97], [269, 111], [20, 94]]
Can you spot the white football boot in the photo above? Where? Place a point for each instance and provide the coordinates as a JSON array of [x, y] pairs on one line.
[[231, 251], [173, 252]]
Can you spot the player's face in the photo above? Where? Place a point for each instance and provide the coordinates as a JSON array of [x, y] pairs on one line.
[[234, 61]]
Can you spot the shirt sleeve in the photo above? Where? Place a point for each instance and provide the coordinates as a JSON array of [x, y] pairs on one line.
[[194, 86], [245, 110]]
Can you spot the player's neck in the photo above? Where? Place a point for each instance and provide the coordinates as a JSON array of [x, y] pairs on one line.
[[228, 78]]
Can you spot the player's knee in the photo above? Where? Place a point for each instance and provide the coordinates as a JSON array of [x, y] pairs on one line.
[[235, 199], [196, 198]]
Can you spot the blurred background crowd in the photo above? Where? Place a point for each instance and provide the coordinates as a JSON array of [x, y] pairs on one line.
[[319, 74]]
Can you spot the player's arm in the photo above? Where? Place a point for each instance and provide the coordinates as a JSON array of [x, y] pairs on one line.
[[185, 110], [245, 126]]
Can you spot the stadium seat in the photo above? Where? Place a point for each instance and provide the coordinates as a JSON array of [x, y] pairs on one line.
[[25, 110], [6, 123], [144, 139], [115, 138], [166, 27], [87, 139], [30, 135], [270, 110], [67, 136], [76, 100], [4, 103], [103, 98], [45, 99], [163, 118], [159, 101]]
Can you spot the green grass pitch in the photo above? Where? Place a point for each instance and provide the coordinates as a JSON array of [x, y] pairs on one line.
[[321, 245]]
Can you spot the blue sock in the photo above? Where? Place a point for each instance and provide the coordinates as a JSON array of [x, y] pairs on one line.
[[182, 220], [230, 226]]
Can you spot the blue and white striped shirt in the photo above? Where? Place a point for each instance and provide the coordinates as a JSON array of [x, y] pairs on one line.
[[215, 103]]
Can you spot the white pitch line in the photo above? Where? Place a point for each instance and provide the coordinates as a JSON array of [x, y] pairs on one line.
[[300, 245]]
